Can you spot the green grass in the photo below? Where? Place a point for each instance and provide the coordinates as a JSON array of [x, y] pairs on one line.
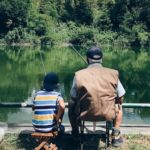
[[91, 142], [135, 142]]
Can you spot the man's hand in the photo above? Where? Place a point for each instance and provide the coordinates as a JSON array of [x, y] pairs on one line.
[[120, 100]]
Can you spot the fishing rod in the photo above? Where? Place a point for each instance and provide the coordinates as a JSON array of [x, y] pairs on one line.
[[76, 51]]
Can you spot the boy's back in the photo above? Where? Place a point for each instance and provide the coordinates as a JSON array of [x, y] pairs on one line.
[[45, 110]]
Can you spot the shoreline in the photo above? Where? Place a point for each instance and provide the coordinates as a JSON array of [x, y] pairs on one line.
[[125, 128]]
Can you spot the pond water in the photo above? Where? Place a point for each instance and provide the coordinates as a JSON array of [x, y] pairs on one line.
[[22, 71]]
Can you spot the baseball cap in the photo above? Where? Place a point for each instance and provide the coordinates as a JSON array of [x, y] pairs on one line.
[[50, 81], [94, 53]]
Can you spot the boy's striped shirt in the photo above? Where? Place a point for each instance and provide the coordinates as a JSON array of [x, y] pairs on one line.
[[45, 109]]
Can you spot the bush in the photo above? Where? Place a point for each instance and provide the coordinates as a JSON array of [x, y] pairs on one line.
[[20, 35], [83, 36], [40, 24], [47, 40]]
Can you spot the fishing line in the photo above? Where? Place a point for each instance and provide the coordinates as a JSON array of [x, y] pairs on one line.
[[43, 66]]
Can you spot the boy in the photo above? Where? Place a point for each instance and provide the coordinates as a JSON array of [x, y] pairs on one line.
[[48, 105]]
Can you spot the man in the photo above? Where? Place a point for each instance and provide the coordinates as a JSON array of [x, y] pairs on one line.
[[94, 93]]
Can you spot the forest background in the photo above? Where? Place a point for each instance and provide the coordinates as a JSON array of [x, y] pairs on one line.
[[125, 23]]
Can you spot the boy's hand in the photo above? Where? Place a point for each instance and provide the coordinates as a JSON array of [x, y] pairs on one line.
[[58, 119], [33, 107]]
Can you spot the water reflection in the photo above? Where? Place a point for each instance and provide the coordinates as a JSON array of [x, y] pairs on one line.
[[22, 71]]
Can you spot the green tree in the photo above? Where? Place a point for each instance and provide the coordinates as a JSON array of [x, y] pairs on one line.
[[48, 7], [40, 24], [118, 12], [68, 13], [83, 12], [145, 13], [13, 13], [103, 21]]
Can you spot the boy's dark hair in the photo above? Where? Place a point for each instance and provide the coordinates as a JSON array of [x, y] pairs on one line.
[[50, 81]]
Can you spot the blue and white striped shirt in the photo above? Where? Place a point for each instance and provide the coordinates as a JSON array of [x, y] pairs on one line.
[[45, 110]]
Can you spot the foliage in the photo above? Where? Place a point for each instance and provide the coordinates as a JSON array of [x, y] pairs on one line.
[[83, 35], [48, 7], [78, 11], [40, 24], [132, 19], [13, 13], [20, 35], [93, 21], [83, 12]]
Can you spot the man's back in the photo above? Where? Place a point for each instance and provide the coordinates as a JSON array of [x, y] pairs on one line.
[[96, 88]]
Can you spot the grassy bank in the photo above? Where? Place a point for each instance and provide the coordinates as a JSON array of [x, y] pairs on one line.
[[25, 142]]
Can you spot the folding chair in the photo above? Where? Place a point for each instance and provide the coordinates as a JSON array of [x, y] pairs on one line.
[[44, 139], [108, 127]]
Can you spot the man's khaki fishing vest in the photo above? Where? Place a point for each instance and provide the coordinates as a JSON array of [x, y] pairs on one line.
[[96, 93]]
